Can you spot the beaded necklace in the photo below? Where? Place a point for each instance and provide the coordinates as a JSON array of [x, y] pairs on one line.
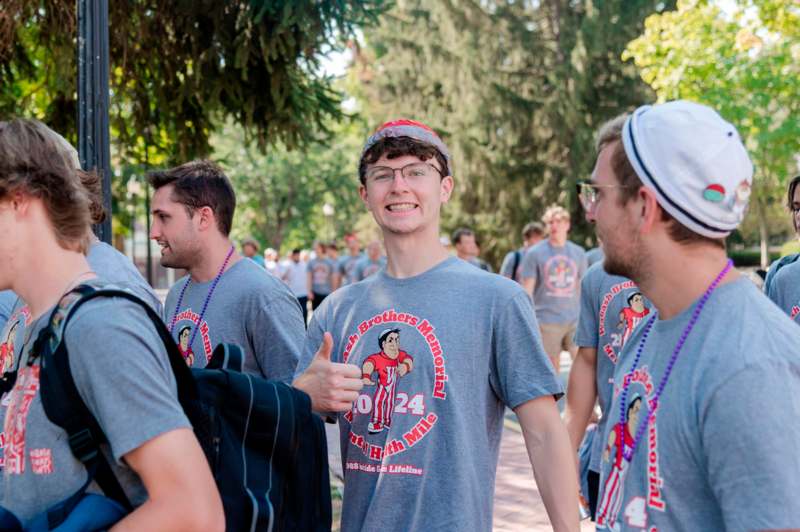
[[682, 340], [205, 303]]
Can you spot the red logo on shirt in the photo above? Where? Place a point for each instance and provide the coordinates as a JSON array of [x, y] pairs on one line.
[[385, 397], [560, 276], [22, 396], [185, 333]]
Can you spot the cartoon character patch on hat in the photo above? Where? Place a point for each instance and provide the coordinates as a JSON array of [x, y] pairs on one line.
[[714, 193], [741, 197]]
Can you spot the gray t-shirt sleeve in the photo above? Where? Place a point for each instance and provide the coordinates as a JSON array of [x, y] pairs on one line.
[[121, 370], [586, 335], [506, 269], [520, 369], [757, 490], [529, 265], [277, 334], [776, 290]]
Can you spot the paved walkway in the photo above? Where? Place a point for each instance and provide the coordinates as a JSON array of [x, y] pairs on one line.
[[518, 506]]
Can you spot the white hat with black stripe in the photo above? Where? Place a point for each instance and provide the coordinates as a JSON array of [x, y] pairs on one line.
[[694, 161]]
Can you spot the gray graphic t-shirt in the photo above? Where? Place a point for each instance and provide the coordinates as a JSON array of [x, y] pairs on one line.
[[611, 309], [558, 273], [444, 353], [122, 373], [366, 267], [347, 268], [256, 311], [116, 268], [321, 270], [785, 290], [720, 452]]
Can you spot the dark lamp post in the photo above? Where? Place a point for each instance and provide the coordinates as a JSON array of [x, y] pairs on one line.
[[93, 143]]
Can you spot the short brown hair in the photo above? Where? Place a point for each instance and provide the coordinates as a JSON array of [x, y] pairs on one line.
[[199, 184], [459, 233], [532, 229], [394, 147], [611, 132], [33, 161]]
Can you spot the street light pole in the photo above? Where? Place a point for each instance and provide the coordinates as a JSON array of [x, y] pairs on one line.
[[93, 138]]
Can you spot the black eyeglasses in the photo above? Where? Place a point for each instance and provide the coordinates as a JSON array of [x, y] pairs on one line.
[[412, 173]]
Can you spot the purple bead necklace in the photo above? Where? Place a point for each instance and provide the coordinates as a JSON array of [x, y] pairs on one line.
[[205, 303], [675, 352]]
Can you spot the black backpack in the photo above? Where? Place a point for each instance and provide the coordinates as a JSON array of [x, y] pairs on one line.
[[266, 448]]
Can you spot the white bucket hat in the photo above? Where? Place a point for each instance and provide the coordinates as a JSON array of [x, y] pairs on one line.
[[694, 161]]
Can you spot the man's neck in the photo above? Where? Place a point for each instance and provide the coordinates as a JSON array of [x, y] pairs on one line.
[[48, 275], [212, 259], [678, 275], [463, 256], [557, 242], [355, 252], [408, 255]]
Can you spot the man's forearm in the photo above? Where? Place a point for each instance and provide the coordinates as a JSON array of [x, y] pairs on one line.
[[552, 459], [581, 395]]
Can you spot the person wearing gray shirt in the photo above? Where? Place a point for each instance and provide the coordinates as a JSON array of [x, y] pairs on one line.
[[611, 309], [443, 347], [224, 298], [245, 307], [532, 234], [783, 285], [705, 422], [551, 274], [117, 360], [370, 263], [347, 263], [784, 290], [320, 276]]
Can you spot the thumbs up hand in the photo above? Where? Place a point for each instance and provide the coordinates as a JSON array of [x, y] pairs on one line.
[[332, 386]]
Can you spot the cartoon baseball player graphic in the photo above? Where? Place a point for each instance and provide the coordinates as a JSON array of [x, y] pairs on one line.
[[390, 363], [184, 347], [631, 316], [7, 349], [621, 438]]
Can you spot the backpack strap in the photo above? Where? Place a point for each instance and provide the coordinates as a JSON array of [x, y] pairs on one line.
[[64, 406], [517, 259]]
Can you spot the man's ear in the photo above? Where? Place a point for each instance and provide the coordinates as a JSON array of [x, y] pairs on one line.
[[19, 202], [362, 191], [446, 188], [649, 209], [206, 218]]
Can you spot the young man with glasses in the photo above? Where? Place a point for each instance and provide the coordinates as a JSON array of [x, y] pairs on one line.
[[668, 188], [551, 274], [611, 308], [475, 348]]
